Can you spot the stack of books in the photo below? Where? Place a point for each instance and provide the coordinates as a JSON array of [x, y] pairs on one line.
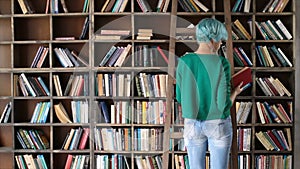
[[187, 33], [110, 34], [144, 34]]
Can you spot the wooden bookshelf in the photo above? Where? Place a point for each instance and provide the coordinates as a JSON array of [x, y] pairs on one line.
[[22, 34]]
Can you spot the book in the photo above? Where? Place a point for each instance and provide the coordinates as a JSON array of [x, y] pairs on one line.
[[283, 29], [162, 54], [242, 29], [244, 75], [61, 113]]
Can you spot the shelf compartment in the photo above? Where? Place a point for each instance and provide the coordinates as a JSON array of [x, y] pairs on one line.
[[161, 32], [5, 29], [44, 131], [24, 110], [5, 8], [26, 28], [148, 54], [286, 78], [81, 50], [24, 55], [99, 5], [60, 159], [262, 4], [102, 49], [36, 156], [68, 136], [7, 160], [207, 4], [6, 135], [5, 52], [67, 26], [5, 82], [37, 88]]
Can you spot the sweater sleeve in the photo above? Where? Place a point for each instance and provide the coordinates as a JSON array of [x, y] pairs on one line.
[[178, 81], [227, 71]]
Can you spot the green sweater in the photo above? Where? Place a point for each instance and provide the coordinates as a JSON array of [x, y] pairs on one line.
[[203, 86]]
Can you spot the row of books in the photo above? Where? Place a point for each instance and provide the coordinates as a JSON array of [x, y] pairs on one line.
[[77, 161], [148, 55], [119, 112], [28, 161], [273, 30], [112, 139], [76, 139], [115, 56], [274, 161], [40, 113], [241, 6], [148, 139], [192, 6], [80, 112], [161, 6], [150, 112], [270, 56], [244, 161], [274, 113], [77, 85], [113, 84], [40, 57], [32, 139], [275, 140], [275, 6], [179, 144], [114, 6], [243, 110], [6, 113], [244, 139], [272, 86], [112, 161], [149, 85], [148, 162], [54, 6], [69, 58], [241, 58], [33, 86], [178, 119], [181, 161]]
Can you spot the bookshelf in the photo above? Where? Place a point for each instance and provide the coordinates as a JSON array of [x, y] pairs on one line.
[[22, 34]]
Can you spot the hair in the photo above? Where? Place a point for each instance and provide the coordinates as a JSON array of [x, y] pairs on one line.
[[210, 29]]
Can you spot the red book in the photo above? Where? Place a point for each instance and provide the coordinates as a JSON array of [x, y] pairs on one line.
[[244, 75], [69, 161], [162, 54], [84, 138]]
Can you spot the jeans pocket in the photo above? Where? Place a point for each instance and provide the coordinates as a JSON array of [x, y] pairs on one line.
[[189, 129], [219, 129]]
